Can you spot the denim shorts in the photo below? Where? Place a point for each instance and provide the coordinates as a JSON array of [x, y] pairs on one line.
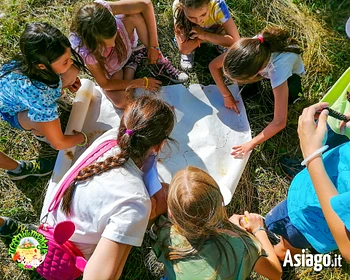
[[12, 120], [277, 221]]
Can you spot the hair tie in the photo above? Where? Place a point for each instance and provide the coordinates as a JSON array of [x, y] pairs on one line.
[[129, 132], [260, 38]]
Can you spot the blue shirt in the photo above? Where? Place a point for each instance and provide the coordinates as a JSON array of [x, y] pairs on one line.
[[304, 208], [18, 93]]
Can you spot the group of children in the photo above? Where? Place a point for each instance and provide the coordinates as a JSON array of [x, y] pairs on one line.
[[108, 200]]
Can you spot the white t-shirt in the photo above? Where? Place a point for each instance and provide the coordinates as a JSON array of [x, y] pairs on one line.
[[114, 204], [281, 66]]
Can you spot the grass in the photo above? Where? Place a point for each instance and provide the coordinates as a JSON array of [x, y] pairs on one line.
[[319, 27]]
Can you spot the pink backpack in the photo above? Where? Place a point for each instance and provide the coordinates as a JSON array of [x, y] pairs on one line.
[[64, 261]]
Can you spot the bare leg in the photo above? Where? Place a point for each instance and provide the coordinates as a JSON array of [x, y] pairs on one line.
[[282, 247], [7, 163], [121, 98], [136, 21]]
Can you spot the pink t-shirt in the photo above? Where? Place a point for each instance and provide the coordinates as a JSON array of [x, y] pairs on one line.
[[112, 65]]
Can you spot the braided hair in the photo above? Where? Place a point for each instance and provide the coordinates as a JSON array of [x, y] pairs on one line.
[[151, 121]]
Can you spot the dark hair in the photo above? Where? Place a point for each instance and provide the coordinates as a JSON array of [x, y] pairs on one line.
[[181, 21], [41, 43], [246, 57], [197, 212], [93, 23], [151, 119]]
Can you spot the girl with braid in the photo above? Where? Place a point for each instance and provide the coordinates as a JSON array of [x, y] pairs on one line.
[[108, 201]]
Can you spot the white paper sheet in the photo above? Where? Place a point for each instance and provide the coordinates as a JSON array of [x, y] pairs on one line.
[[205, 131]]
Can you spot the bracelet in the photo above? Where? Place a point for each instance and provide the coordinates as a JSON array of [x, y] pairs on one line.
[[257, 229], [153, 47], [314, 154], [146, 82], [85, 139]]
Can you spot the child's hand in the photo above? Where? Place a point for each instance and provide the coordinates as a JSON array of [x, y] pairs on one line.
[[197, 32], [153, 85], [311, 135], [231, 103], [75, 86], [252, 221], [237, 220], [153, 55], [242, 150], [343, 125]]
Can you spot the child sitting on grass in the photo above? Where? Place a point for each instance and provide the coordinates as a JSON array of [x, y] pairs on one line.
[[30, 85], [200, 21], [274, 55], [200, 242], [103, 34]]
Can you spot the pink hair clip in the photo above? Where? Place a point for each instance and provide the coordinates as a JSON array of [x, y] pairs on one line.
[[129, 132], [261, 39]]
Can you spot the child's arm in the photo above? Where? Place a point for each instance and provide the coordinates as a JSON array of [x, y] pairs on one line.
[[215, 67], [225, 40], [119, 84], [112, 255], [185, 46], [145, 7], [266, 266], [311, 138], [278, 123], [52, 131]]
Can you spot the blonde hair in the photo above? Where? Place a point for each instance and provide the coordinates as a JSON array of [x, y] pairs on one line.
[[196, 210]]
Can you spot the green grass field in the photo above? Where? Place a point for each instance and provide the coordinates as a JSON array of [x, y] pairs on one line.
[[319, 27]]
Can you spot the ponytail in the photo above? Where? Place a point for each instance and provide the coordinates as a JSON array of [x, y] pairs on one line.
[[146, 122], [248, 56]]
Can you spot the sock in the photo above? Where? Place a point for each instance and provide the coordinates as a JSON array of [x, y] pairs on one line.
[[18, 169]]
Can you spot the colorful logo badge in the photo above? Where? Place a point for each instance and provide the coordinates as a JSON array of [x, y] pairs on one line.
[[28, 249]]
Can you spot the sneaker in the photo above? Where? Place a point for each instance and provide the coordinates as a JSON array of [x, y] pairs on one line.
[[166, 69], [38, 168], [12, 227], [187, 61], [136, 58], [65, 102]]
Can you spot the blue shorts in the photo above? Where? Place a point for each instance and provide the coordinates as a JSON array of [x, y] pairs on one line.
[[277, 221], [12, 120]]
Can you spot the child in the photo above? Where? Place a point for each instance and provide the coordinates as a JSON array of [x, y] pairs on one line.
[[103, 33], [31, 83], [199, 21], [315, 214], [201, 242], [272, 55], [108, 201]]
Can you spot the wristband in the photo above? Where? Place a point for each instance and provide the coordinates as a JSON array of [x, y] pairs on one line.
[[257, 229], [314, 154], [146, 82], [153, 47], [85, 139]]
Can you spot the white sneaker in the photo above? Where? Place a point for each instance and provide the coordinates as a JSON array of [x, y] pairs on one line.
[[187, 61]]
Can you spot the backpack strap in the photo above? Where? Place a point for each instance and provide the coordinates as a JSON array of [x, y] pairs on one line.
[[91, 157]]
